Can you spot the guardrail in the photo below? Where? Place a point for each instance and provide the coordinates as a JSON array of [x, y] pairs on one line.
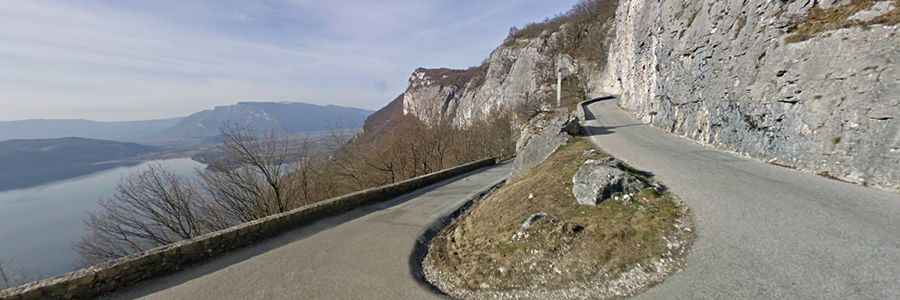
[[104, 278]]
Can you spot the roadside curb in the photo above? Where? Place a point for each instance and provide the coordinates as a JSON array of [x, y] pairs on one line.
[[420, 249]]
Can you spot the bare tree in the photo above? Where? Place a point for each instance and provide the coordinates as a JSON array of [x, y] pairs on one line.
[[11, 275], [155, 207], [252, 181], [266, 156], [5, 280], [307, 171], [149, 209], [347, 162]]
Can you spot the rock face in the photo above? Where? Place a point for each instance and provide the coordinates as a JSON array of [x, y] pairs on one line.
[[540, 138], [734, 74], [721, 72], [509, 77], [521, 70], [597, 181]]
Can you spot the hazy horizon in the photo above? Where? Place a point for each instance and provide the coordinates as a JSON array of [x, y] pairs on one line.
[[185, 115], [136, 60]]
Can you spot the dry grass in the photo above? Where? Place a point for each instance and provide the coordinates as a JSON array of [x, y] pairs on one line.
[[820, 20], [458, 78], [573, 244]]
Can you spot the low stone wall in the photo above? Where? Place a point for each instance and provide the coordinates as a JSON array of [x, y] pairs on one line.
[[104, 278], [583, 114]]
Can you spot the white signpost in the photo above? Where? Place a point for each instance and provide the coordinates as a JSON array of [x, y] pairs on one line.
[[559, 83], [560, 72]]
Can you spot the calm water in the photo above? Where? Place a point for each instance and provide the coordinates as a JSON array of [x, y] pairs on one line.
[[39, 226]]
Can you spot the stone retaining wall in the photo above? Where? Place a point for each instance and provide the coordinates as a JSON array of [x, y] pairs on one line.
[[104, 278]]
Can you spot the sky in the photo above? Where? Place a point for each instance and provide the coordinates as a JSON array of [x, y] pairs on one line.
[[132, 60]]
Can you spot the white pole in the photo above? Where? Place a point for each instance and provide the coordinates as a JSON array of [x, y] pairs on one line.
[[559, 82]]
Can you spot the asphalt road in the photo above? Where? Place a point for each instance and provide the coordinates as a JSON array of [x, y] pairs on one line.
[[764, 232], [364, 254]]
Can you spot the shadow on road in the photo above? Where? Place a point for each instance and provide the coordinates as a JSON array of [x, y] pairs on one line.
[[152, 286], [589, 130]]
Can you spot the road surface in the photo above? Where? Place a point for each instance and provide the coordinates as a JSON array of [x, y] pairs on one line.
[[764, 232], [364, 254]]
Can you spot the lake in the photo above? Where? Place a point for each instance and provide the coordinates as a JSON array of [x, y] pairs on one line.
[[40, 225]]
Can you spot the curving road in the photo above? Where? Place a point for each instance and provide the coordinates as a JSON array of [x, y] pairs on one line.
[[363, 254], [764, 232]]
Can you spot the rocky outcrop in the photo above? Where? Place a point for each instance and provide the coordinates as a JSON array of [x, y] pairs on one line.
[[511, 75], [598, 180], [539, 138], [740, 75], [522, 69]]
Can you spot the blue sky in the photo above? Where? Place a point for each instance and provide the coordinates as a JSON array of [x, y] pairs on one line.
[[128, 60]]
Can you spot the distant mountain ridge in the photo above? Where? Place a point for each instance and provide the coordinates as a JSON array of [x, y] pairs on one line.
[[60, 128], [32, 162], [286, 117]]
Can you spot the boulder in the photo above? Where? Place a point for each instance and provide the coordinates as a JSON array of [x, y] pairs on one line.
[[540, 138], [599, 180], [572, 126], [523, 229]]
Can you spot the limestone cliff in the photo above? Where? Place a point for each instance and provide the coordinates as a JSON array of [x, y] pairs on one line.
[[812, 84], [511, 75], [522, 69], [809, 84]]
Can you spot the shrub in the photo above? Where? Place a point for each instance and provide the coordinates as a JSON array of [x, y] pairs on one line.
[[586, 34]]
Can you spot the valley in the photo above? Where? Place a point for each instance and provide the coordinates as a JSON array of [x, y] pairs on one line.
[[35, 152]]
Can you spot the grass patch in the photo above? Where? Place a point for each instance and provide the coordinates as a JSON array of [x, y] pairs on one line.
[[572, 245], [820, 20]]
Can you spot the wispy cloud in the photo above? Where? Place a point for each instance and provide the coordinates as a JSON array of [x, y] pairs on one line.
[[115, 60]]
